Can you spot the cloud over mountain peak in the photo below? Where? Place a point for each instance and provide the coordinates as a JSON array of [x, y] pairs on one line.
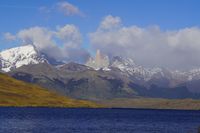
[[64, 43], [150, 46]]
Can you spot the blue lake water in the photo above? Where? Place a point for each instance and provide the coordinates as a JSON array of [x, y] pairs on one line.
[[60, 120]]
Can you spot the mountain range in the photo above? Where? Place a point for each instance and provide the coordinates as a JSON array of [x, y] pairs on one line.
[[101, 77]]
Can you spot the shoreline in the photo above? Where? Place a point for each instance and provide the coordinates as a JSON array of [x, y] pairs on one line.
[[112, 108]]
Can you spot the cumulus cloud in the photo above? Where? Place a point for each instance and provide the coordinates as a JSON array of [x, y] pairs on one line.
[[70, 35], [38, 36], [63, 7], [8, 36], [72, 42], [110, 23], [149, 46], [64, 43], [68, 9]]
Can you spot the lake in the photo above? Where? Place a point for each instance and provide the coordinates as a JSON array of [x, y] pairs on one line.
[[62, 120]]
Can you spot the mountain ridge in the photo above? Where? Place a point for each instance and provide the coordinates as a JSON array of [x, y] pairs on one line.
[[24, 55], [161, 77], [94, 85], [121, 77]]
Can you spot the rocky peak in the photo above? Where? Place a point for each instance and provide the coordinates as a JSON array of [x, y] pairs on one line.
[[99, 61]]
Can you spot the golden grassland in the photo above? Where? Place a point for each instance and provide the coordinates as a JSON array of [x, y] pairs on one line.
[[20, 94], [153, 103]]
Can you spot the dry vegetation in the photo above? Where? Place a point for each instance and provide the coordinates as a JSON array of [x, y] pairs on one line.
[[153, 103]]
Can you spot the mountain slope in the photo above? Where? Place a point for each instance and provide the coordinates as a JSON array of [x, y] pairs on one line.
[[76, 80], [81, 82], [18, 93]]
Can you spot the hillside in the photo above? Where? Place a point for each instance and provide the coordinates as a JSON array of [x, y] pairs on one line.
[[18, 93]]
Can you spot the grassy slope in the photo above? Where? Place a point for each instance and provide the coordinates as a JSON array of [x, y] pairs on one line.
[[18, 93], [153, 103]]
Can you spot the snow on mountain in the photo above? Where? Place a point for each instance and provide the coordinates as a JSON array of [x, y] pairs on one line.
[[131, 69], [19, 56], [128, 66], [158, 76], [193, 74]]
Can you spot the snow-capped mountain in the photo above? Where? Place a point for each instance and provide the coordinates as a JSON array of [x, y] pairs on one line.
[[115, 73], [128, 66], [19, 56], [24, 55], [158, 76]]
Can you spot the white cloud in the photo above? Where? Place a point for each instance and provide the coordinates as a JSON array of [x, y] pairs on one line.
[[38, 36], [70, 35], [72, 42], [110, 22], [63, 7], [42, 39], [57, 43], [149, 46], [68, 9], [9, 37]]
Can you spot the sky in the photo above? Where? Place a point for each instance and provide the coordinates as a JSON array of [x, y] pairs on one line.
[[156, 33]]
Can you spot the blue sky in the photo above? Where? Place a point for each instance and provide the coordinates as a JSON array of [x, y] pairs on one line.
[[168, 15]]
